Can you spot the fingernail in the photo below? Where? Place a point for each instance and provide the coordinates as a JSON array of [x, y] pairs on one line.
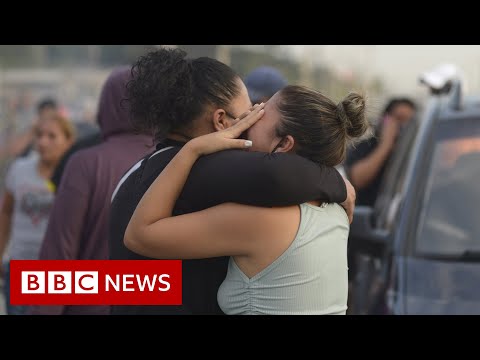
[[248, 143]]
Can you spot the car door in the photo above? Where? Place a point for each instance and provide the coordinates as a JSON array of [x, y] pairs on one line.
[[439, 257], [374, 266]]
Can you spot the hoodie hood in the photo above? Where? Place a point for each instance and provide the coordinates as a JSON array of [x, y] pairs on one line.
[[113, 115]]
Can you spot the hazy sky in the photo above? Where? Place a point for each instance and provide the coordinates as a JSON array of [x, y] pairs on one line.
[[398, 65]]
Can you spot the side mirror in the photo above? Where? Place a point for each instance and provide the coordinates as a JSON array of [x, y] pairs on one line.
[[365, 236], [439, 80]]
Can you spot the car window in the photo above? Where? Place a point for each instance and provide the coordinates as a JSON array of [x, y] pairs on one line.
[[449, 224], [389, 197]]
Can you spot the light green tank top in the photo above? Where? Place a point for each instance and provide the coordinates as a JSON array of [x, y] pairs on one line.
[[310, 277]]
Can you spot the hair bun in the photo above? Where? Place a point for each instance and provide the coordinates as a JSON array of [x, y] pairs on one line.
[[351, 113]]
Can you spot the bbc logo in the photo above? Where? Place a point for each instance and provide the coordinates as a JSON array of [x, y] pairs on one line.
[[59, 282], [96, 282]]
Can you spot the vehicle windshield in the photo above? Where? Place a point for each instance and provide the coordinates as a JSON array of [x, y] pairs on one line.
[[449, 224]]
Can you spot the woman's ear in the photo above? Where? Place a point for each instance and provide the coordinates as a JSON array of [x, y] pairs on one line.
[[287, 144], [220, 120]]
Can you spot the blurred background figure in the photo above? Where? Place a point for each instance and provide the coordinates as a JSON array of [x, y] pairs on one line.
[[263, 82], [86, 123], [80, 232], [22, 145], [88, 134], [27, 199], [25, 116], [366, 161], [91, 139]]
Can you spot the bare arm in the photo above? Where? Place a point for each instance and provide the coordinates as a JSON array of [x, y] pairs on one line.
[[363, 172], [5, 220], [152, 225], [217, 231], [366, 170]]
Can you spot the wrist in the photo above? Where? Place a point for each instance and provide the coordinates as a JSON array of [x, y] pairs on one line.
[[192, 149]]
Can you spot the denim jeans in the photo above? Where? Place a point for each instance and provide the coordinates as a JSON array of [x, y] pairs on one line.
[[11, 309]]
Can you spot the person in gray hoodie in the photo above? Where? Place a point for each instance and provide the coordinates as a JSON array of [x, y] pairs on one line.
[[78, 226]]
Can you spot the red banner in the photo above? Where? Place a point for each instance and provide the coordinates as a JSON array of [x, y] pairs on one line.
[[96, 282]]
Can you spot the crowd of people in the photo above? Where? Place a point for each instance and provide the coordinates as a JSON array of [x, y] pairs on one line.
[[236, 177]]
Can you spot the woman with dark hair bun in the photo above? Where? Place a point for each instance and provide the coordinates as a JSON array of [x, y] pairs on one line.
[[178, 99]]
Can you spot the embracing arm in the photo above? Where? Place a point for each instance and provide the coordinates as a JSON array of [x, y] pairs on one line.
[[153, 232], [217, 231], [261, 179]]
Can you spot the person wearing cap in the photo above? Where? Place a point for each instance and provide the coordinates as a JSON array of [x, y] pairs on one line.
[[263, 82]]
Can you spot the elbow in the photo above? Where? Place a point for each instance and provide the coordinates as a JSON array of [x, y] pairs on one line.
[[132, 240], [357, 184], [138, 239], [358, 181]]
